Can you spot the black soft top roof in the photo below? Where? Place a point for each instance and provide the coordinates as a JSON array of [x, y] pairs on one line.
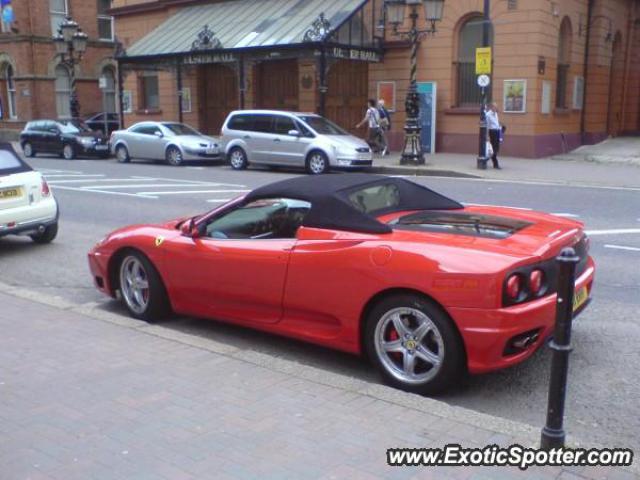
[[10, 162], [331, 207]]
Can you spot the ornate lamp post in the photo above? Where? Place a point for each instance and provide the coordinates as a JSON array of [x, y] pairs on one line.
[[412, 153], [71, 43]]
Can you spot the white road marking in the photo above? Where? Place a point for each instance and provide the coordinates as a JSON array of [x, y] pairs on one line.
[[50, 170], [500, 206], [622, 247], [144, 185], [528, 182], [73, 175], [75, 180], [219, 200], [568, 215], [182, 192], [76, 189], [618, 231]]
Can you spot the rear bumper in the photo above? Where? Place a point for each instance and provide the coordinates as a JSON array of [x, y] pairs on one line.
[[486, 333], [27, 219]]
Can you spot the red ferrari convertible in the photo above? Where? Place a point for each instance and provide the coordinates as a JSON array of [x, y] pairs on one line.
[[425, 286]]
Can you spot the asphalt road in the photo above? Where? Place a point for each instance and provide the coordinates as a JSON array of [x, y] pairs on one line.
[[97, 196]]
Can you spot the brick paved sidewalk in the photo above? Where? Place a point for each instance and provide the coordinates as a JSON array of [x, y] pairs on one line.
[[82, 398]]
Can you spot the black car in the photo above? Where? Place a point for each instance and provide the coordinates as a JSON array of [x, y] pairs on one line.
[[97, 122], [67, 138]]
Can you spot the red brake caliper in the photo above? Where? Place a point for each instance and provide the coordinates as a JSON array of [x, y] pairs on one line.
[[393, 336]]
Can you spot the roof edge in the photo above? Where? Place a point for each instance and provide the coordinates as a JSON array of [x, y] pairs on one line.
[[151, 6]]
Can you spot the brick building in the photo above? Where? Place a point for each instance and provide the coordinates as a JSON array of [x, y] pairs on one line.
[[33, 84], [565, 72]]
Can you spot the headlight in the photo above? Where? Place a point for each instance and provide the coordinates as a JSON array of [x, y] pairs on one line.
[[87, 142]]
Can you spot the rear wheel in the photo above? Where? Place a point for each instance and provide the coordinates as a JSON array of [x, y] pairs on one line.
[[174, 156], [317, 163], [47, 236], [122, 154], [414, 344], [28, 150], [143, 292], [238, 159], [68, 152]]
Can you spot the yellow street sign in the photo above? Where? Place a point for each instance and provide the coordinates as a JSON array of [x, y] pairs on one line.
[[483, 61]]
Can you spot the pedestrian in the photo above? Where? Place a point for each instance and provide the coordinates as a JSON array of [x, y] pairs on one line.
[[372, 119], [385, 124], [495, 131]]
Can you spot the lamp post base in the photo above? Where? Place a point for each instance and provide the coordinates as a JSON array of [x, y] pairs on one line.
[[412, 153], [482, 163]]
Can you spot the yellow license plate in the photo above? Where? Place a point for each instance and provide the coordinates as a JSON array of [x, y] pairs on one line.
[[10, 193], [579, 298]]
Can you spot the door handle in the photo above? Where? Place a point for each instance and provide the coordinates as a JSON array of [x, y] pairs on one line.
[[276, 139], [246, 137]]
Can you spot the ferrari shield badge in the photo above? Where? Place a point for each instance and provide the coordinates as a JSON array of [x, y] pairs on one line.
[[159, 240]]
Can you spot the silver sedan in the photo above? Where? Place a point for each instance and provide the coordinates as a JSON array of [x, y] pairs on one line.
[[169, 141]]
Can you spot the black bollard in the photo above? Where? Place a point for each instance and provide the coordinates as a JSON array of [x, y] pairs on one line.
[[553, 433]]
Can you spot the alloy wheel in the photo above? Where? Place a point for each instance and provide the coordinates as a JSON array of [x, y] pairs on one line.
[[237, 159], [134, 284], [317, 163], [121, 154], [67, 152], [174, 156], [409, 345], [28, 150]]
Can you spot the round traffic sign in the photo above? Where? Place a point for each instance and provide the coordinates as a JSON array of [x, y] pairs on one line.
[[484, 80]]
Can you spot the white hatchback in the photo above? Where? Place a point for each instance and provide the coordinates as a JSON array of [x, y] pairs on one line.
[[27, 205]]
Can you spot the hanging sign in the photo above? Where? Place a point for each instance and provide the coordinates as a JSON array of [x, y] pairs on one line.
[[483, 61]]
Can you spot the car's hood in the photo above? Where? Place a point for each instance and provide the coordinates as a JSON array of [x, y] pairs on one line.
[[195, 140], [95, 135], [347, 141]]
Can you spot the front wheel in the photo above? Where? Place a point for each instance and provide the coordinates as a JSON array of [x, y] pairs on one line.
[[413, 344], [174, 156], [122, 154], [28, 150], [317, 163], [68, 152], [47, 236], [238, 159], [143, 292]]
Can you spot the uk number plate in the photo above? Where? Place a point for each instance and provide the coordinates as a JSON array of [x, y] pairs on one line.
[[10, 193], [102, 147], [579, 297]]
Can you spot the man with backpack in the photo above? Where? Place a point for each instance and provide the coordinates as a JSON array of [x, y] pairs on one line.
[[375, 138], [385, 124]]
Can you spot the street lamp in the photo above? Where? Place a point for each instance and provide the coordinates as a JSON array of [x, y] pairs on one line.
[[412, 153], [71, 43]]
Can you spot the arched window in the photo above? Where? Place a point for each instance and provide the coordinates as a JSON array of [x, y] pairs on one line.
[[470, 38], [63, 92], [109, 92], [564, 63], [7, 76]]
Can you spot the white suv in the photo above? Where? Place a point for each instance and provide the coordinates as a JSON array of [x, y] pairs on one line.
[[272, 137], [27, 206]]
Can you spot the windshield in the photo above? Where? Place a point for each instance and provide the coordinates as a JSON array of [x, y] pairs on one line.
[[73, 126], [180, 129], [322, 125]]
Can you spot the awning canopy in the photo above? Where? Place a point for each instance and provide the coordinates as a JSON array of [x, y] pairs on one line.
[[236, 26]]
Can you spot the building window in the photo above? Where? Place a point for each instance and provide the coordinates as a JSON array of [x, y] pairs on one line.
[[11, 91], [148, 88], [105, 21], [63, 92], [564, 63], [109, 91], [470, 37], [57, 11]]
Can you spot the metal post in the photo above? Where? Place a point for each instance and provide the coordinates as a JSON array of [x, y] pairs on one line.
[[242, 82], [120, 95], [412, 153], [74, 104], [553, 433], [486, 42], [323, 82], [179, 87]]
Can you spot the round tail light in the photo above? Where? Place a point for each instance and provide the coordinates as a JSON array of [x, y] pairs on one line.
[[514, 286], [536, 280]]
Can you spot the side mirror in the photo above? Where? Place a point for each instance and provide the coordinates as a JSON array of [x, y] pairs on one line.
[[294, 133], [158, 134], [189, 229]]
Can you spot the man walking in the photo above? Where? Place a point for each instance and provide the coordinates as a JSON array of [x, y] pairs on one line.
[[493, 125], [372, 118], [385, 125]]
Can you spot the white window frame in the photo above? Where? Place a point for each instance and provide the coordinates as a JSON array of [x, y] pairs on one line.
[[110, 18], [11, 91], [53, 12]]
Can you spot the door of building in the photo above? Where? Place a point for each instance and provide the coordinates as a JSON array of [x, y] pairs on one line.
[[347, 94], [616, 85], [218, 94], [276, 84]]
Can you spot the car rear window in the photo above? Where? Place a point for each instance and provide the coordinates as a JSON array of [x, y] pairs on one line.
[[376, 198], [10, 162], [241, 122]]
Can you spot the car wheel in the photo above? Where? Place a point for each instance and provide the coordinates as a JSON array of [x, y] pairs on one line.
[[122, 154], [47, 236], [317, 163], [238, 159], [141, 288], [28, 150], [174, 156], [68, 152], [414, 344]]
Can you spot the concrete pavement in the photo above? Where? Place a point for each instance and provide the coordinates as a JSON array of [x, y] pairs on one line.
[[86, 394]]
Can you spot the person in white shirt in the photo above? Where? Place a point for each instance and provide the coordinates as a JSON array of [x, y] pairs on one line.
[[372, 119], [494, 128]]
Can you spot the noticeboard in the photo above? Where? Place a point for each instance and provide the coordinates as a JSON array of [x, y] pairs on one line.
[[483, 61]]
